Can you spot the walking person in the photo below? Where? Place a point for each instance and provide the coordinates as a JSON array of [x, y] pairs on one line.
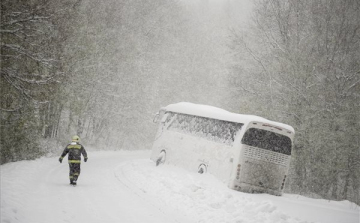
[[75, 149]]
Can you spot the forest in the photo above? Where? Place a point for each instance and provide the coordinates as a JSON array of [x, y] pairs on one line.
[[102, 69]]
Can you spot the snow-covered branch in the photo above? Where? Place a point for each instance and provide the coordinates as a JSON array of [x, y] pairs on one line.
[[19, 50]]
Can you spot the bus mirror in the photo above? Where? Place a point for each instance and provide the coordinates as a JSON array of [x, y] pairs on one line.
[[156, 117]]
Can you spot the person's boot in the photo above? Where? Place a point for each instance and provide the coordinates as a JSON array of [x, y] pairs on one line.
[[74, 183]]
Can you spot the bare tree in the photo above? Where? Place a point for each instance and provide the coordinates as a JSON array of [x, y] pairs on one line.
[[302, 69]]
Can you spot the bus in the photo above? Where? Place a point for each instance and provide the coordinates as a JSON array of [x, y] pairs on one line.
[[248, 153]]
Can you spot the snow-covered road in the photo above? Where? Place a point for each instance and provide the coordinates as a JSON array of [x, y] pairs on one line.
[[126, 187], [39, 191]]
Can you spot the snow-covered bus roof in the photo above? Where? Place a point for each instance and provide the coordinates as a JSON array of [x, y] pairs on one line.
[[220, 114]]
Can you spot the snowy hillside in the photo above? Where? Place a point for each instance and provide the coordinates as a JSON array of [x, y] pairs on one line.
[[127, 187]]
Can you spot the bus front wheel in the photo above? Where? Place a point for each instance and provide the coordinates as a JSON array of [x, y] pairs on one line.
[[161, 158], [202, 169]]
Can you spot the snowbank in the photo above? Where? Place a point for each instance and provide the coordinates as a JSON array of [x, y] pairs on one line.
[[124, 186], [205, 199]]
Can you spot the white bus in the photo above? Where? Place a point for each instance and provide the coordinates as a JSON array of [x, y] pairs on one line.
[[248, 153]]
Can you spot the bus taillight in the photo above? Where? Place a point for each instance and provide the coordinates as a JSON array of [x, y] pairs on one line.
[[238, 172], [283, 183]]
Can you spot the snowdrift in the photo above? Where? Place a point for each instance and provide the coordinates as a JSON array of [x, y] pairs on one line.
[[127, 187]]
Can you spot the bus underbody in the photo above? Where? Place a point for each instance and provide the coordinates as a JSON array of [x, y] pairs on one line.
[[248, 188]]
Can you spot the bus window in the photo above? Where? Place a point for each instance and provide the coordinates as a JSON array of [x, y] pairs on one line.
[[211, 129], [267, 140]]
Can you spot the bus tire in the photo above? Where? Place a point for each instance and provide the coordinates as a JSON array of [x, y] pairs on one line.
[[202, 169], [161, 158]]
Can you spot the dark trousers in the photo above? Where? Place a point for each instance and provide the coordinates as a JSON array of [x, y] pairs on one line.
[[74, 171]]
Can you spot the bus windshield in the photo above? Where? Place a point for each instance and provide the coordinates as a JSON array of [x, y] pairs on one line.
[[207, 128], [267, 140]]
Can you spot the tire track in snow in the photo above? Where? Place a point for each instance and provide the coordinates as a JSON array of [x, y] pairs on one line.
[[121, 176]]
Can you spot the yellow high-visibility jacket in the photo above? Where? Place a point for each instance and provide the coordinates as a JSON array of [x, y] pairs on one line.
[[75, 150]]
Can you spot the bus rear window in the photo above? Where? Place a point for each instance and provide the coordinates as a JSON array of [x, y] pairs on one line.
[[267, 140]]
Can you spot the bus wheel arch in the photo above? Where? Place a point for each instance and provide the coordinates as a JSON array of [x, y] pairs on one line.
[[161, 158], [202, 168]]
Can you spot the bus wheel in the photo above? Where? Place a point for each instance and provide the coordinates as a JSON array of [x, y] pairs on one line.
[[161, 158], [202, 168]]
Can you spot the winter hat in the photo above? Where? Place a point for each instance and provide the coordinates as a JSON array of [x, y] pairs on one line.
[[75, 138]]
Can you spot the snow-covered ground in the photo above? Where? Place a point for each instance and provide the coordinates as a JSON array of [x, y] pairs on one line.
[[126, 186]]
